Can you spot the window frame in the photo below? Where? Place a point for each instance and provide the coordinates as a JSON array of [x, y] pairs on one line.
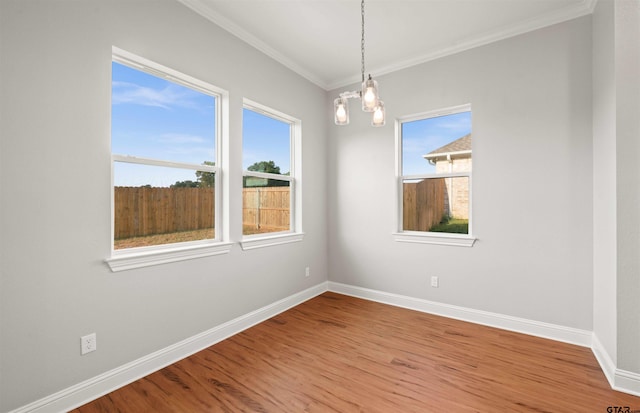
[[295, 233], [137, 257], [426, 237]]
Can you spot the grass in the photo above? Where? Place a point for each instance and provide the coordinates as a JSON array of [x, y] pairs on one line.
[[183, 236], [452, 226], [161, 239], [251, 230]]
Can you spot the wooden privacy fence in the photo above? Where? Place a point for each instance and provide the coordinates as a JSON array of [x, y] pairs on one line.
[[423, 204], [266, 208], [142, 211]]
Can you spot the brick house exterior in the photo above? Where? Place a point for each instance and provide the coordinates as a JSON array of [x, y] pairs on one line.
[[454, 157]]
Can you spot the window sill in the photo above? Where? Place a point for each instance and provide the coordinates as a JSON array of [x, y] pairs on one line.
[[250, 243], [435, 238], [122, 261]]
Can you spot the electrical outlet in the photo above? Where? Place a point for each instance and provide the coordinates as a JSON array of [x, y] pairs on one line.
[[307, 272], [435, 282], [88, 343]]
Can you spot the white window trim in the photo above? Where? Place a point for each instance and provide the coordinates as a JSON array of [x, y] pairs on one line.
[[277, 238], [130, 258], [420, 237], [416, 237], [295, 234], [147, 256]]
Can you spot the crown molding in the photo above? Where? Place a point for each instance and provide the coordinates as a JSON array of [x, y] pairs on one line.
[[585, 7], [202, 8]]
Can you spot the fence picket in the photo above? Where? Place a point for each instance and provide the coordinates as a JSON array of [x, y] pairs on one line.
[[423, 204], [142, 211]]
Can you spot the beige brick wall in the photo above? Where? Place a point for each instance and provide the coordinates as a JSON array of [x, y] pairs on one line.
[[457, 199]]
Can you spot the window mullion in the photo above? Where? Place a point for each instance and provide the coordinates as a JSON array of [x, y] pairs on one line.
[[159, 162], [442, 175], [266, 175]]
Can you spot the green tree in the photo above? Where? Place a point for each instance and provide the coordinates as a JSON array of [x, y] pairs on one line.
[[185, 184], [206, 179], [265, 166]]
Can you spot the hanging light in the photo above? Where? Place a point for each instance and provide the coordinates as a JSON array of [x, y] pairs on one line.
[[378, 115], [341, 110], [368, 94]]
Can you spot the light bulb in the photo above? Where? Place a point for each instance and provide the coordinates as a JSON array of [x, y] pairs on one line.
[[369, 95], [378, 118], [341, 111]]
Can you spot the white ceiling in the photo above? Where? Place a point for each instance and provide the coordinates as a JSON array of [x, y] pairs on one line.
[[320, 39]]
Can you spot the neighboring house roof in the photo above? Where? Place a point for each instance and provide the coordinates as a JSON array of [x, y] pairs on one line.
[[460, 148]]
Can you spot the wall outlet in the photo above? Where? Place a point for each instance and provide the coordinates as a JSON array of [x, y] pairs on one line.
[[307, 272], [88, 343], [435, 282]]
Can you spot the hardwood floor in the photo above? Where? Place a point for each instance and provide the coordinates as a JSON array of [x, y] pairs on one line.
[[335, 353]]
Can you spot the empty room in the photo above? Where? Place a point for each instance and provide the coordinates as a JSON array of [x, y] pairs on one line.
[[319, 206]]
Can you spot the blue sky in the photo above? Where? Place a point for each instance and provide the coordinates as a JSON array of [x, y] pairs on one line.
[[159, 119], [265, 139], [423, 136], [155, 118]]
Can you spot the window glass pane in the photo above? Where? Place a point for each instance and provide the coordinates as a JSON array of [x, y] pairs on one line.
[[266, 143], [151, 208], [154, 118], [429, 145], [436, 205], [266, 205]]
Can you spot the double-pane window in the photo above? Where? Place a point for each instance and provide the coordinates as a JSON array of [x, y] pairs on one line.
[[435, 172], [268, 171], [164, 139]]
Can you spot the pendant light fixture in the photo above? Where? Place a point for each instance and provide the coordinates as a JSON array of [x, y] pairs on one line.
[[368, 94]]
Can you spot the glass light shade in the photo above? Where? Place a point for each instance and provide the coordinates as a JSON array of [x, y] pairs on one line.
[[369, 95], [341, 111], [378, 118]]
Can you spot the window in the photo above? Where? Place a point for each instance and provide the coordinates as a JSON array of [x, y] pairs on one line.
[[165, 133], [434, 170], [270, 193]]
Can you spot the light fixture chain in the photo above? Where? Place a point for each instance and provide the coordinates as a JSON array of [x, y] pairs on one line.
[[362, 38], [368, 93]]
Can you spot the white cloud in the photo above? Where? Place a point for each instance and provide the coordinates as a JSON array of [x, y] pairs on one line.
[[458, 124], [178, 138], [415, 145], [131, 93]]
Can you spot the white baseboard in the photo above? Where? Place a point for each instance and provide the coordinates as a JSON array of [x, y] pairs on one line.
[[91, 389], [627, 382], [520, 325], [98, 386], [621, 380], [607, 365]]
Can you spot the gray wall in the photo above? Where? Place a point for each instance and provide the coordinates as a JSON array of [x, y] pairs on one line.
[[55, 191], [547, 196], [627, 71], [532, 182], [604, 178], [616, 128]]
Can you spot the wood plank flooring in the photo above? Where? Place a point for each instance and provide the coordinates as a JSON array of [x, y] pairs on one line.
[[335, 353]]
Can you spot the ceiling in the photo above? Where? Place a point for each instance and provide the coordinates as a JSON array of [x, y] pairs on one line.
[[320, 39]]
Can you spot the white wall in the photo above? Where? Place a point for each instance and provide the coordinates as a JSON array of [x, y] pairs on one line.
[[627, 72], [616, 128], [54, 187], [532, 182], [604, 179]]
